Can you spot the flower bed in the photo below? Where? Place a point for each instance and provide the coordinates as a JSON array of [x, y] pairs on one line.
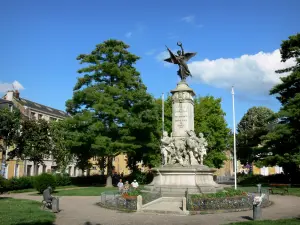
[[226, 200]]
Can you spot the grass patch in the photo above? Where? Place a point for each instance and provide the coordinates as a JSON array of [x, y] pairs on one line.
[[88, 191], [294, 191], [270, 222], [23, 212]]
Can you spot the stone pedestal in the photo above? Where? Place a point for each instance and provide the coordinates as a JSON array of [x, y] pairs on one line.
[[182, 110], [174, 180]]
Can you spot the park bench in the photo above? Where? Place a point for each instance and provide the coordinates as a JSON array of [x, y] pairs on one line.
[[283, 187], [47, 198], [50, 201]]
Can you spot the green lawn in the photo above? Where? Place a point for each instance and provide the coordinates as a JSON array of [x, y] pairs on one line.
[[270, 222], [292, 190], [23, 212], [88, 191]]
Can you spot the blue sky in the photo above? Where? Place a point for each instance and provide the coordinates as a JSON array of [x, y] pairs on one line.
[[236, 43]]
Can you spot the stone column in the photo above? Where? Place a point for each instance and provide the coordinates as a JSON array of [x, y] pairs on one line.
[[182, 110]]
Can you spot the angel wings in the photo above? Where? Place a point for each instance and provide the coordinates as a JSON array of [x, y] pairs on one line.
[[181, 60]]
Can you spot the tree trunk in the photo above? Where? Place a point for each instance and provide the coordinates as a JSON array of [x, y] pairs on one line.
[[109, 172], [3, 161]]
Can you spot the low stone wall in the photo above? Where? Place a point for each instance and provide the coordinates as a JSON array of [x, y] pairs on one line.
[[237, 203]]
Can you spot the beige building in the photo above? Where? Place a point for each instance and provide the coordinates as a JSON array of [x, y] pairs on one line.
[[35, 111]]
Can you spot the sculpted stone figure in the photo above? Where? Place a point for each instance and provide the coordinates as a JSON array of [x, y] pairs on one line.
[[193, 147], [203, 144], [167, 148]]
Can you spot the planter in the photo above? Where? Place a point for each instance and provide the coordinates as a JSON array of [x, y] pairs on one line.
[[129, 197]]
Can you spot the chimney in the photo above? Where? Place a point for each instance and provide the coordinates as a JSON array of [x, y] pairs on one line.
[[9, 95], [17, 94]]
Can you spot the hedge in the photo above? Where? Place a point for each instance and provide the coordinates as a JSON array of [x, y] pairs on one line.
[[60, 180]]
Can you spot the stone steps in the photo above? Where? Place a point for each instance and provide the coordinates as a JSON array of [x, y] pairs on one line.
[[165, 205]]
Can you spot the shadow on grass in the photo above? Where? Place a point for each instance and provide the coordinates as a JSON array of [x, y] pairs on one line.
[[247, 217], [89, 223], [5, 198], [36, 223]]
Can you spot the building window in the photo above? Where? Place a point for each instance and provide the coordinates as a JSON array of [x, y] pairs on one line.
[[16, 170], [70, 170], [40, 116], [52, 119], [29, 170], [44, 168], [32, 115], [53, 169], [74, 174]]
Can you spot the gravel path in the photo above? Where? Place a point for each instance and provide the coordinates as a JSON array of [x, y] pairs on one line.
[[79, 210]]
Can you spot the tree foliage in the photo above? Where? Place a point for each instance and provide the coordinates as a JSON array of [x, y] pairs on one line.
[[34, 141], [283, 140], [60, 151], [9, 129], [111, 106], [210, 120], [253, 126]]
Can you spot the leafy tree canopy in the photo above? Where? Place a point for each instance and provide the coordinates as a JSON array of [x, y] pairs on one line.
[[111, 105], [210, 120], [283, 140], [254, 124]]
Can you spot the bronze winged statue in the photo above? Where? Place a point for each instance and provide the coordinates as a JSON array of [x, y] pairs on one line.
[[181, 60]]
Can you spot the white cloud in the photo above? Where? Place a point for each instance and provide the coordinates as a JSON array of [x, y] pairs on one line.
[[128, 34], [188, 19], [4, 87], [250, 74]]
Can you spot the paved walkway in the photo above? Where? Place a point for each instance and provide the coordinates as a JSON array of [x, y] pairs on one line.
[[78, 210]]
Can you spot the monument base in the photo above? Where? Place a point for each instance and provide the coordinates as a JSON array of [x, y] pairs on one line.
[[176, 180]]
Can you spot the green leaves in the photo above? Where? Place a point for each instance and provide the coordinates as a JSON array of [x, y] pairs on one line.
[[253, 126], [9, 125], [209, 119], [112, 112]]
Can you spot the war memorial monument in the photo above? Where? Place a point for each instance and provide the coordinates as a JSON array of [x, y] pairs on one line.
[[183, 151]]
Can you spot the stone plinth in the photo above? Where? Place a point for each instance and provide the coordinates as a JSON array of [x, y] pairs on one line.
[[182, 110], [174, 180]]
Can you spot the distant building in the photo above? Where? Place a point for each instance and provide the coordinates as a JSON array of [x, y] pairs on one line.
[[35, 111]]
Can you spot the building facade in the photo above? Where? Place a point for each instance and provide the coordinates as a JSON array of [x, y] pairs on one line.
[[34, 111]]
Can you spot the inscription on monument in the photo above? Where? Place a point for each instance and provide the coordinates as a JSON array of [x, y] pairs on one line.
[[180, 116]]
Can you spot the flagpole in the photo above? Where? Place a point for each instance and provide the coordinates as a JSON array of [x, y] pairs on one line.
[[234, 141], [163, 113]]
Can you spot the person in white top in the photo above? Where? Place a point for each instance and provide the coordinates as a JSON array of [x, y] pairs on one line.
[[120, 185], [135, 184]]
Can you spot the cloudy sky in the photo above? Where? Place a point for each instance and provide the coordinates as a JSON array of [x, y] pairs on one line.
[[237, 43]]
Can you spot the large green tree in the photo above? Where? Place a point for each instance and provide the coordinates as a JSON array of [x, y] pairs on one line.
[[253, 126], [210, 120], [9, 129], [112, 104], [282, 143]]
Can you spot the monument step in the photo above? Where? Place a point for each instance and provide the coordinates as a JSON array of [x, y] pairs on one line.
[[165, 205]]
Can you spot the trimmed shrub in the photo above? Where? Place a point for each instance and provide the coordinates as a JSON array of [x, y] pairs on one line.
[[89, 180], [3, 184], [43, 181], [20, 183], [62, 179]]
